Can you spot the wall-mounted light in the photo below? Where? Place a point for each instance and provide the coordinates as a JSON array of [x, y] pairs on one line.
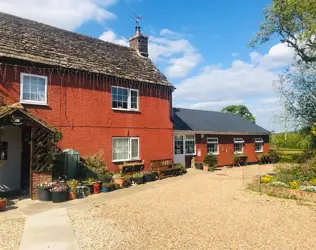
[[17, 121]]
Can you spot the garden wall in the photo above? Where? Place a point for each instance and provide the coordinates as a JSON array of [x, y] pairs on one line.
[[287, 192], [37, 178]]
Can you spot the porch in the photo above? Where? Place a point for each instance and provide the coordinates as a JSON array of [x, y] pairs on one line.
[[25, 150]]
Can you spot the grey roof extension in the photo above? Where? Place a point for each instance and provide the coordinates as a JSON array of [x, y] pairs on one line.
[[40, 43], [211, 121]]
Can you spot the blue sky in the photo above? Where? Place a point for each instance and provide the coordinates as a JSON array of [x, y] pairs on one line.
[[200, 45]]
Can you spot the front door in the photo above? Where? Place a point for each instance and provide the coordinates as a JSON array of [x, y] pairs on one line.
[[179, 156], [10, 158]]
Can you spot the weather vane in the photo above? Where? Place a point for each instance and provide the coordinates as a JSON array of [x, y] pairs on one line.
[[137, 18]]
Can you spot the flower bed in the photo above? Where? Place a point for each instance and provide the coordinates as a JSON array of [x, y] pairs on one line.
[[292, 181]]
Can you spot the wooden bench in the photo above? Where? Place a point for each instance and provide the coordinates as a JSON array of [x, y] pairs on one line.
[[164, 168]]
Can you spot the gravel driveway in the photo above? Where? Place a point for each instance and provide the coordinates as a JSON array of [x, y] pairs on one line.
[[197, 211], [11, 231]]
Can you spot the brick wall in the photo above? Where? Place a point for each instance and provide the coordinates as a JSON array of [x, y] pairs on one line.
[[226, 147], [38, 178]]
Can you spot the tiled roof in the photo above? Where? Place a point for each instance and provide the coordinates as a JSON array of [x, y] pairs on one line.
[[211, 121], [32, 41], [8, 110]]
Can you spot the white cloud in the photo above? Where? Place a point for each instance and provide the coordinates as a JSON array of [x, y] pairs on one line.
[[249, 83], [235, 54], [178, 54], [66, 14], [279, 55], [110, 36]]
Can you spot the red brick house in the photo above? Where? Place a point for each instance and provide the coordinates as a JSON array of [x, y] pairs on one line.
[[198, 132], [99, 95]]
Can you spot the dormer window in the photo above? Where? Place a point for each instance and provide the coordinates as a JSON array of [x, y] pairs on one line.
[[125, 99]]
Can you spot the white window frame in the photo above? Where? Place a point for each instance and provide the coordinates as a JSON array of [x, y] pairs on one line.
[[184, 138], [185, 142], [174, 144], [129, 99], [239, 141], [21, 89], [259, 140], [212, 142], [130, 158]]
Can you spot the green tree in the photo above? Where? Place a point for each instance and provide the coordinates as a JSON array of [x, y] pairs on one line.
[[297, 88], [240, 110], [294, 21]]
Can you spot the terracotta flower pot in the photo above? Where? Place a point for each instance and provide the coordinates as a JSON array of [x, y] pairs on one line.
[[72, 196], [205, 168], [3, 204], [119, 181]]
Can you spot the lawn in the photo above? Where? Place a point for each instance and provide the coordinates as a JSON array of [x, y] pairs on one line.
[[289, 154]]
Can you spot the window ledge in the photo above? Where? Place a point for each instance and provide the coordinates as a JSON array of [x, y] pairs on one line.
[[118, 161], [259, 151], [34, 103], [126, 110]]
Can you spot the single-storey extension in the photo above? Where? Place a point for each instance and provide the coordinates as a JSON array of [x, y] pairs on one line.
[[198, 133]]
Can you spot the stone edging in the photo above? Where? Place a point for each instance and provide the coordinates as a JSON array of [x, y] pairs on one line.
[[299, 194]]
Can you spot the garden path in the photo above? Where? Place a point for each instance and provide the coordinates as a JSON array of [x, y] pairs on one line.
[[51, 229]]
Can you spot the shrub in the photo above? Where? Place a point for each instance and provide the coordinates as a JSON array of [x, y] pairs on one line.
[[210, 160], [183, 169], [307, 170], [274, 157], [313, 181], [306, 155], [294, 185], [96, 163], [286, 172]]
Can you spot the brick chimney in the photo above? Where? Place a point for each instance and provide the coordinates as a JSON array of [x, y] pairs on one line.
[[139, 42]]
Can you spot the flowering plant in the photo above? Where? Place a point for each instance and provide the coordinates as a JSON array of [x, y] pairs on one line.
[[266, 178], [45, 185], [59, 188]]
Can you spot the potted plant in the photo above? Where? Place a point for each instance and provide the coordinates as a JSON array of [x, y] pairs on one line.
[[149, 176], [119, 179], [44, 193], [209, 163], [128, 181], [199, 165], [107, 187], [240, 159], [89, 183], [72, 184], [138, 178], [3, 203], [105, 177], [96, 188], [59, 192]]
